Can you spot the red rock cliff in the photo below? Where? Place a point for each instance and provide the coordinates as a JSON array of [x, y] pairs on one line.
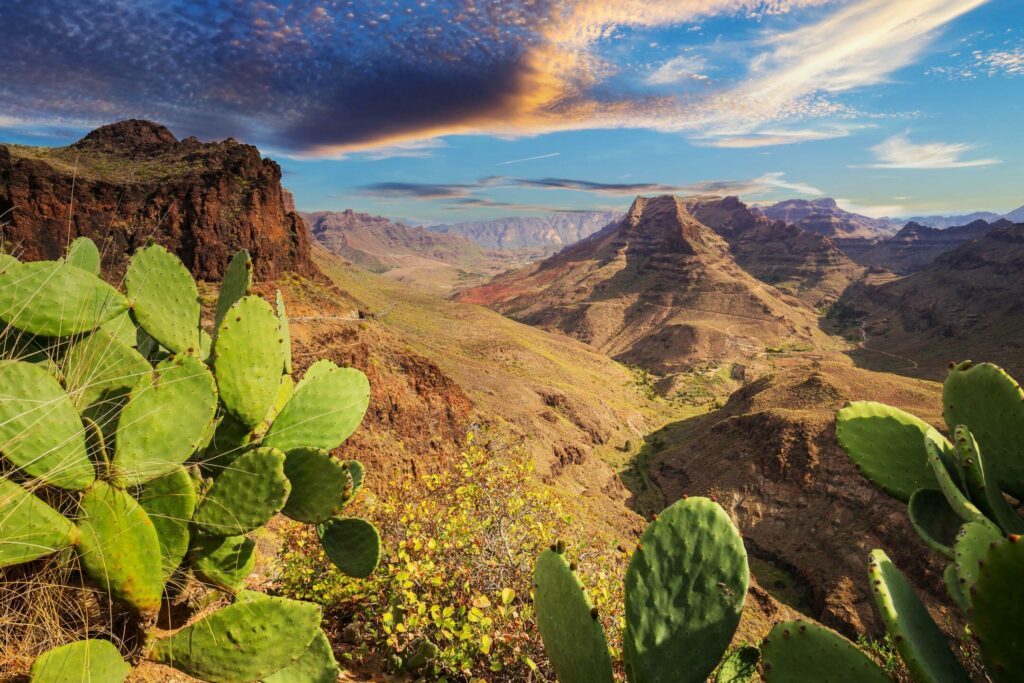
[[133, 181]]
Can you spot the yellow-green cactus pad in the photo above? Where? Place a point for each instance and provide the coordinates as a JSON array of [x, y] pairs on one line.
[[940, 451], [316, 665], [801, 651], [82, 253], [250, 491], [29, 528], [164, 298], [248, 357], [972, 544], [165, 420], [740, 666], [119, 547], [170, 502], [352, 544], [322, 412], [935, 522], [568, 622], [246, 641], [85, 661], [286, 335], [40, 431], [319, 485], [99, 372], [54, 299], [222, 561], [237, 283]]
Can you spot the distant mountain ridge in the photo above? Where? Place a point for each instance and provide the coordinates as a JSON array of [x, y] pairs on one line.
[[824, 217], [916, 245], [942, 222], [547, 233]]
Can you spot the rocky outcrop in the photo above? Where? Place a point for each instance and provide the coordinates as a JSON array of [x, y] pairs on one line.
[[824, 217], [131, 182], [916, 245]]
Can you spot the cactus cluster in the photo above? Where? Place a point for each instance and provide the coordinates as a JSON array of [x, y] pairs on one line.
[[956, 487], [684, 593], [150, 448]]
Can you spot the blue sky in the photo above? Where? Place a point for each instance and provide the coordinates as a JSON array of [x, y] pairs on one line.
[[459, 110]]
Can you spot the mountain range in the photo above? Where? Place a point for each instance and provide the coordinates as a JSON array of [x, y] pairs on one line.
[[544, 234]]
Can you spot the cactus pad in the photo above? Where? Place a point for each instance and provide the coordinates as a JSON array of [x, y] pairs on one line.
[[248, 358], [85, 661], [322, 412], [29, 528], [685, 588], [319, 485], [800, 651], [990, 402], [165, 420], [223, 562], [740, 666], [995, 610], [236, 283], [170, 501], [573, 638], [981, 486], [352, 544], [164, 298], [887, 445], [286, 335], [122, 329], [940, 451], [953, 587], [119, 548], [82, 253], [265, 634], [53, 299], [316, 665], [934, 521], [230, 439], [99, 372], [250, 491], [356, 473], [921, 644], [972, 543], [40, 431]]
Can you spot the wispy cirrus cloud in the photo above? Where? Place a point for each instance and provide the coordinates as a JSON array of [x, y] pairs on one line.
[[899, 152], [1007, 61]]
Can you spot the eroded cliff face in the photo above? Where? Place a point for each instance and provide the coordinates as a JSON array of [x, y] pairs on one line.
[[131, 182]]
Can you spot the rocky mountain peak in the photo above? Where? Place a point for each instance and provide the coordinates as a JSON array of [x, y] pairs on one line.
[[663, 225], [134, 136]]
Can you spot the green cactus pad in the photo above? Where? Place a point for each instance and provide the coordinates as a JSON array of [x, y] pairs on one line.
[[224, 562], [939, 452], [82, 253], [972, 543], [250, 491], [800, 651], [165, 420], [266, 635], [573, 638], [230, 439], [921, 644], [122, 329], [352, 544], [316, 665], [988, 497], [85, 661], [248, 357], [29, 528], [40, 431], [988, 401], [170, 502], [286, 335], [319, 367], [322, 412], [54, 299], [953, 587], [119, 548], [995, 615], [164, 298], [356, 472], [685, 588], [99, 372], [285, 389], [236, 284], [887, 445], [319, 484], [934, 521], [740, 666]]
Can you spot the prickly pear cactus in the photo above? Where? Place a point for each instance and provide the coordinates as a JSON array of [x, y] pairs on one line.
[[800, 651], [129, 457]]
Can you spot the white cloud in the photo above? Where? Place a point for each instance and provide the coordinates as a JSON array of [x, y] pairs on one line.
[[1004, 62], [677, 69], [416, 149], [899, 152], [779, 136]]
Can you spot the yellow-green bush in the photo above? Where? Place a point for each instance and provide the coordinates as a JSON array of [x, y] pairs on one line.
[[459, 552]]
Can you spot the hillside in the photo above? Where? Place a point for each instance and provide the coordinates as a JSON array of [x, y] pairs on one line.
[[807, 265], [916, 245], [968, 303], [658, 289], [824, 217], [540, 234], [131, 182], [435, 260]]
